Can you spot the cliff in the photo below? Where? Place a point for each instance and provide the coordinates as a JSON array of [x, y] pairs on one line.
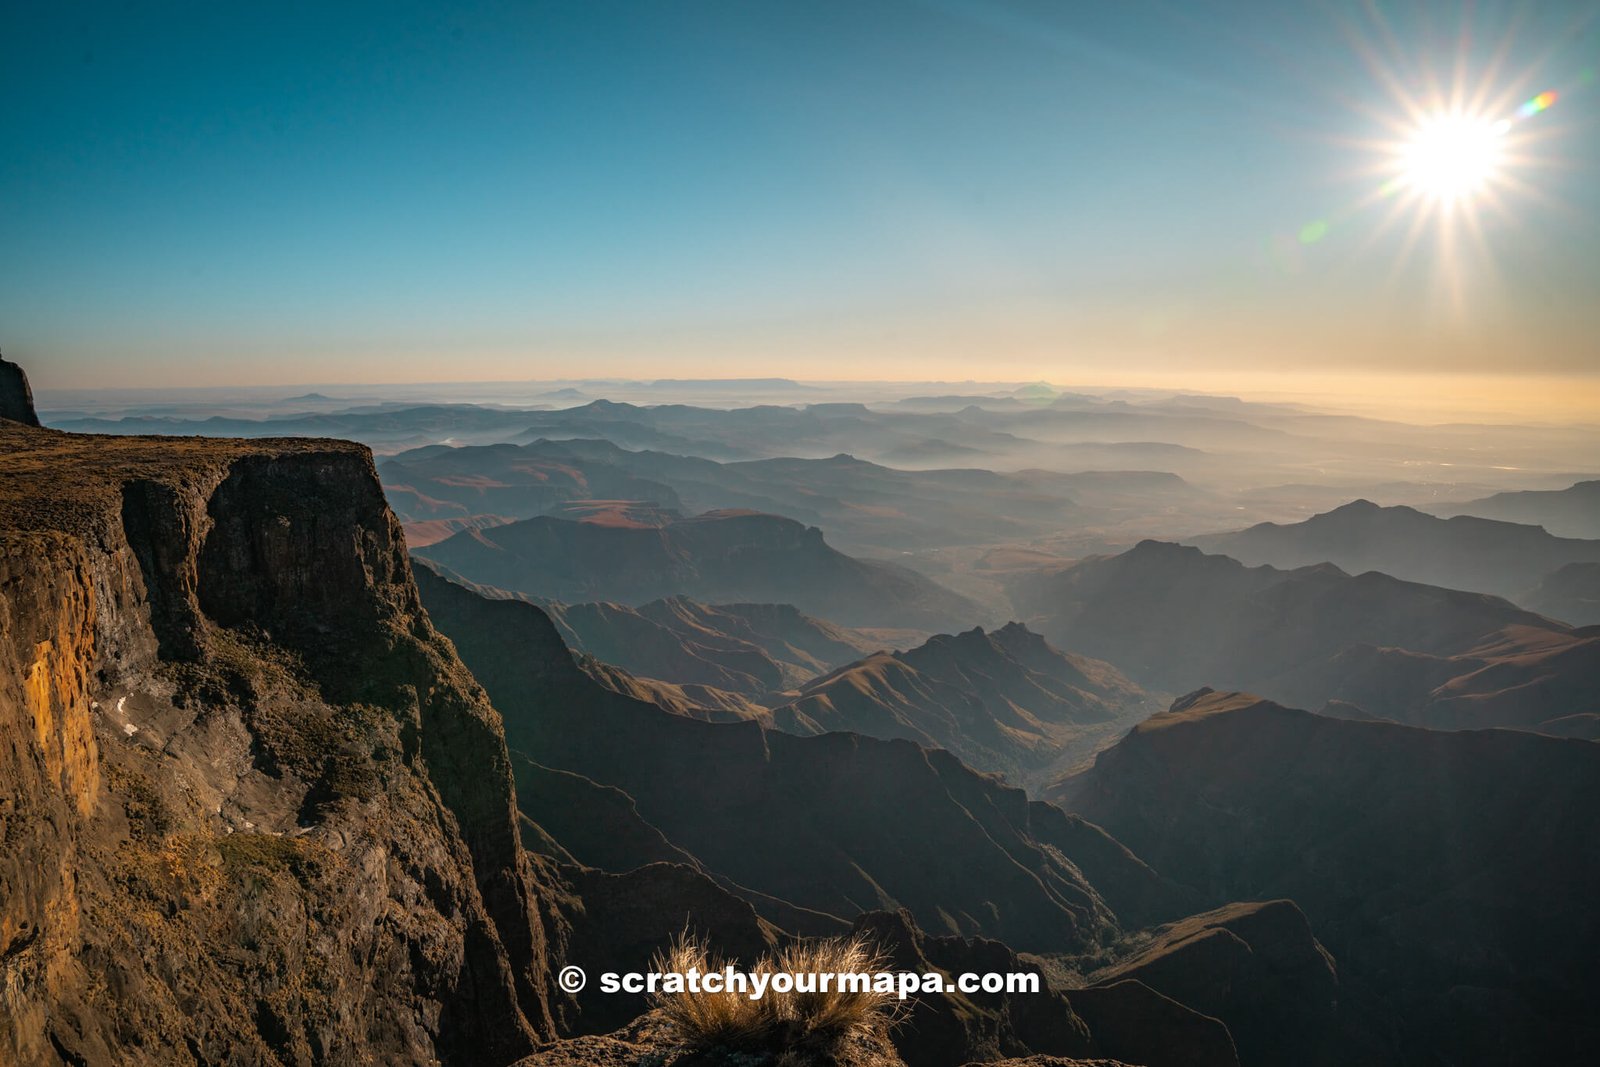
[[256, 811]]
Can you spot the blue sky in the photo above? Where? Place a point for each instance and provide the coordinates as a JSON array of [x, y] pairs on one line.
[[401, 192]]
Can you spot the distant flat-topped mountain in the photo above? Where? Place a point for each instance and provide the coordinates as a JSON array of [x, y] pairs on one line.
[[1570, 512], [1174, 617], [1452, 875], [1002, 701], [1466, 552], [723, 556]]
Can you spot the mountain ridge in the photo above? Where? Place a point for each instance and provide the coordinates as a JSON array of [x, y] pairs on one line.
[[723, 556], [1463, 552], [1429, 881], [1003, 701], [1173, 617]]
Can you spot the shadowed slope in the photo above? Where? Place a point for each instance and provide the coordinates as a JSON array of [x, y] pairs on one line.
[[750, 649], [838, 823], [1173, 617], [1452, 874], [1002, 701]]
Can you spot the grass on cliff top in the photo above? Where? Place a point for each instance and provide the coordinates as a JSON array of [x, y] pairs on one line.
[[50, 480], [808, 1025]]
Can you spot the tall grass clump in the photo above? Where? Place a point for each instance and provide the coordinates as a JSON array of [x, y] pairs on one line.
[[833, 1013], [795, 1019], [725, 1018]]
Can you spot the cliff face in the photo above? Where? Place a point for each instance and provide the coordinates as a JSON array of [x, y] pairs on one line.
[[255, 808]]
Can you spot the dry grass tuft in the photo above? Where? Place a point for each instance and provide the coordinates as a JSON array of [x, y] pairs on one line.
[[810, 1019], [833, 1012], [726, 1018]]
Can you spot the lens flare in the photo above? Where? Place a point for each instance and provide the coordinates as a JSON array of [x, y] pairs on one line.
[[1537, 104], [1453, 156]]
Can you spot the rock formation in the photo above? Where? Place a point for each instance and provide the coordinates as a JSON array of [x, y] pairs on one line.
[[16, 399], [256, 810]]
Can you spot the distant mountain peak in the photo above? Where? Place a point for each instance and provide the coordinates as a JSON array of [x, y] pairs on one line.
[[1003, 701], [608, 405], [1366, 509]]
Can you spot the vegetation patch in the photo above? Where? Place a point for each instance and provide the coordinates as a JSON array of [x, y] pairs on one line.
[[149, 816], [268, 854], [807, 1026]]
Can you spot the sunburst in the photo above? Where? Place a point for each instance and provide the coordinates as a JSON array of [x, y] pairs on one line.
[[1457, 154]]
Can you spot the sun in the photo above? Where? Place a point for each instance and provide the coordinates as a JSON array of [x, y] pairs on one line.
[[1453, 153], [1451, 157]]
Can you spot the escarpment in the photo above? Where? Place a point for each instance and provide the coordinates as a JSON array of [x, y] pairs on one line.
[[255, 809]]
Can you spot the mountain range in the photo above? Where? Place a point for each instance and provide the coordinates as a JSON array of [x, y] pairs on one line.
[[720, 556], [833, 855], [1465, 552], [1570, 512], [1448, 873], [620, 782], [865, 505], [1224, 442], [1172, 617]]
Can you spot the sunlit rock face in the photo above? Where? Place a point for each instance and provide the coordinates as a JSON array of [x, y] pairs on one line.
[[255, 808]]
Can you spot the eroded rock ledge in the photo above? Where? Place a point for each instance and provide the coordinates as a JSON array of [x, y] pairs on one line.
[[256, 809]]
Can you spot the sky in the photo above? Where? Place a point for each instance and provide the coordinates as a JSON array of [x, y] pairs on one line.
[[1135, 192]]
